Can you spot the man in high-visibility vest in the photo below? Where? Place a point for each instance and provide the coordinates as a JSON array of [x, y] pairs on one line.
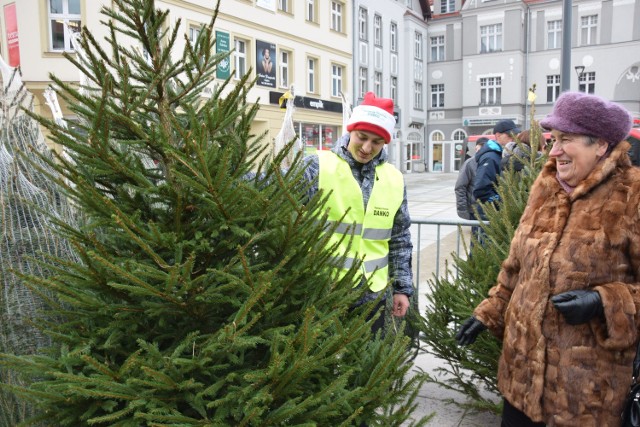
[[372, 193]]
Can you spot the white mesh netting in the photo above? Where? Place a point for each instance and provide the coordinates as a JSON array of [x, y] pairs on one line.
[[28, 202]]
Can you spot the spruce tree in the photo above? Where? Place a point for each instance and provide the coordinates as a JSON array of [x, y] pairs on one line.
[[451, 299], [203, 293]]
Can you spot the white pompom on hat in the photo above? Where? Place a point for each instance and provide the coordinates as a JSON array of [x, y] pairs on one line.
[[373, 115]]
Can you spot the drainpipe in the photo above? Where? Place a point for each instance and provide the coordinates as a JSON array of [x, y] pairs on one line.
[[527, 49], [354, 47], [565, 62]]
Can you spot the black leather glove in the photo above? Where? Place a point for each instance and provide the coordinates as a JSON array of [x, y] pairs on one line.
[[578, 306], [469, 331]]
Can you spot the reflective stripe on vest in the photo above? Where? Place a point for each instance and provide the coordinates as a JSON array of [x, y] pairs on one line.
[[367, 233]]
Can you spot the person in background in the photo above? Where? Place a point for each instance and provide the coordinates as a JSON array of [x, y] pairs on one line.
[[488, 170], [566, 304], [522, 152], [504, 132], [464, 184], [372, 193]]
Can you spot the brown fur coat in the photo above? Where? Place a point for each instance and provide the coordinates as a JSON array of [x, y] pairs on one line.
[[554, 372]]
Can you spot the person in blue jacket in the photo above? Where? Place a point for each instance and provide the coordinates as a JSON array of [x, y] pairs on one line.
[[489, 160]]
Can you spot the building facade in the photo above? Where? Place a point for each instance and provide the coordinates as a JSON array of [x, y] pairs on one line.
[[453, 68], [389, 59], [485, 55], [306, 47]]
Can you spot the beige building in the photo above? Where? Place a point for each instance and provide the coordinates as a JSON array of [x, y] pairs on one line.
[[307, 44]]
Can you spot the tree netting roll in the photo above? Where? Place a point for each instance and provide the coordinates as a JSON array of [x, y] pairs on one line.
[[29, 205]]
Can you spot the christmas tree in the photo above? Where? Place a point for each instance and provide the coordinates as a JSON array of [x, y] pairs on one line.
[[472, 370], [203, 293]]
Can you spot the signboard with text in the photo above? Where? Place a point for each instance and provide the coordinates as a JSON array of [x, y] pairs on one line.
[[13, 42], [222, 45]]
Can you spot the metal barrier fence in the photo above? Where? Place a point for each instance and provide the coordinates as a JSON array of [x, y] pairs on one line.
[[461, 226]]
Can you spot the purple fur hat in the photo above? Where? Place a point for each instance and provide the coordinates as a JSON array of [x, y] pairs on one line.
[[583, 114]]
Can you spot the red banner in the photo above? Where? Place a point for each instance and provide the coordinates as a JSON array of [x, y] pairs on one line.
[[13, 42]]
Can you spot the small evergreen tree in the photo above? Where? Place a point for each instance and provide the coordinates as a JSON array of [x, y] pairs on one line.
[[203, 294], [451, 299]]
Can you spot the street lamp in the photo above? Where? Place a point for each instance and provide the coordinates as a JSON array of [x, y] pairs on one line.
[[580, 73]]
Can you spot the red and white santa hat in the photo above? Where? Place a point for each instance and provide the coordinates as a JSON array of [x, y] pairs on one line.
[[373, 115]]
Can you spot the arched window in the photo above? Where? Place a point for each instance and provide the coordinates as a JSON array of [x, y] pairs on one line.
[[459, 135], [436, 151], [414, 137], [437, 136]]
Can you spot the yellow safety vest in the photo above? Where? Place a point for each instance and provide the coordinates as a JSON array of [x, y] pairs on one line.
[[368, 232]]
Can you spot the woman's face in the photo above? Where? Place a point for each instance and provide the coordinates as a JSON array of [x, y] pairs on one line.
[[575, 155], [364, 146]]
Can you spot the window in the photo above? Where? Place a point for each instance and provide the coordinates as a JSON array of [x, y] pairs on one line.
[[490, 90], [311, 74], [285, 57], [377, 83], [417, 45], [316, 136], [336, 16], [377, 30], [145, 53], [311, 10], [554, 34], [194, 32], [553, 87], [459, 135], [393, 82], [490, 38], [447, 6], [363, 77], [61, 13], [417, 99], [409, 3], [437, 48], [240, 58], [393, 37], [336, 79], [417, 55], [363, 23], [587, 82], [284, 5], [459, 150], [588, 29], [437, 96]]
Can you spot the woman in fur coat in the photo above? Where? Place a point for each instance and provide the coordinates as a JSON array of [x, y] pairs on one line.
[[567, 300]]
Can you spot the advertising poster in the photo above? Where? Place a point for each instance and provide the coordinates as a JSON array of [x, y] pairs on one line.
[[13, 42], [222, 45], [266, 63]]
